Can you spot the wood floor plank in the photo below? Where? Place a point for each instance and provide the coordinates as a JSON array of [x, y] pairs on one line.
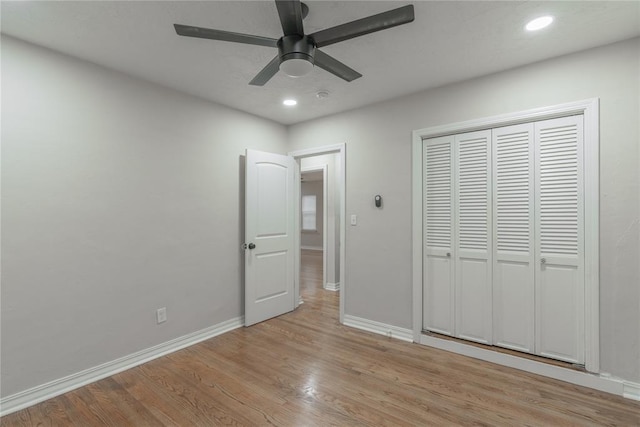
[[257, 375], [111, 391], [237, 398], [306, 369]]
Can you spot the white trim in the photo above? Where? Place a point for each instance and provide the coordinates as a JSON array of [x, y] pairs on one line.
[[341, 150], [297, 201], [325, 221], [599, 382], [378, 328], [587, 106], [631, 390], [332, 286], [591, 180], [343, 229], [590, 110], [26, 398], [311, 248], [416, 235], [309, 152]]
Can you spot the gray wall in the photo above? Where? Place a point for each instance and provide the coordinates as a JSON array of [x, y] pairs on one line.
[[118, 197], [313, 239], [378, 141]]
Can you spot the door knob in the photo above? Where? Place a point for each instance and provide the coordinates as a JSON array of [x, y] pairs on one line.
[[543, 261], [252, 246], [448, 254]]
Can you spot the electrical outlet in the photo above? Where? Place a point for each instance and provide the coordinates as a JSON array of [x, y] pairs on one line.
[[161, 315]]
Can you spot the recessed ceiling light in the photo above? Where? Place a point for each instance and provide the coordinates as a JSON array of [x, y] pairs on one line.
[[289, 102], [539, 23]]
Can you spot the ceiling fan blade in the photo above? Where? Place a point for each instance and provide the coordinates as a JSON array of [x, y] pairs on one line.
[[266, 73], [360, 27], [332, 65], [290, 12], [227, 36]]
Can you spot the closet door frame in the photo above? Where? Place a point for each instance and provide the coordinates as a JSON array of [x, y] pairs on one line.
[[589, 109]]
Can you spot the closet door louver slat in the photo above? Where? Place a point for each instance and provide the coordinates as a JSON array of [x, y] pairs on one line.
[[438, 201]]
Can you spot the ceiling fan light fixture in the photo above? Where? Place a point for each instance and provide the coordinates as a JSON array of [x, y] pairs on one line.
[[296, 67]]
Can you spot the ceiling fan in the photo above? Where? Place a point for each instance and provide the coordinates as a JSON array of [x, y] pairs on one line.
[[298, 52]]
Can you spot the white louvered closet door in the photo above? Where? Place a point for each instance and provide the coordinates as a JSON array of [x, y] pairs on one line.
[[438, 295], [559, 310], [472, 255], [513, 237]]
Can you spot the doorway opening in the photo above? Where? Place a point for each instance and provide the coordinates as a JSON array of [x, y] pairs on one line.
[[321, 256]]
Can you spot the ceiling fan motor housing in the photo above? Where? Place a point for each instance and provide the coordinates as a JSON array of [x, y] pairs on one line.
[[296, 47]]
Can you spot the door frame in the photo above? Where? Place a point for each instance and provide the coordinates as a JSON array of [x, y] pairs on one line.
[[589, 108], [325, 186], [341, 151]]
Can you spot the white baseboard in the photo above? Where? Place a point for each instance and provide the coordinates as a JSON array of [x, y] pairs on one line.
[[378, 328], [26, 398], [603, 382], [332, 286], [631, 390], [311, 248]]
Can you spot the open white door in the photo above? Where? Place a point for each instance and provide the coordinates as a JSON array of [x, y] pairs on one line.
[[270, 230]]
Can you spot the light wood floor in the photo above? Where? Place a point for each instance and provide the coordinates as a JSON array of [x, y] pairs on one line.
[[304, 369]]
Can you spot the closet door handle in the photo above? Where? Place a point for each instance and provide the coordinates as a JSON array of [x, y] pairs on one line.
[[543, 261], [448, 254]]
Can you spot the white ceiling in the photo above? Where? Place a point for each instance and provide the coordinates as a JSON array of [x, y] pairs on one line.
[[449, 41]]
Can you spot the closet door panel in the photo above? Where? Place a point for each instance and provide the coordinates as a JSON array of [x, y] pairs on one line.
[[473, 238], [473, 299], [438, 310], [438, 297], [513, 234], [512, 299], [559, 240], [557, 312]]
